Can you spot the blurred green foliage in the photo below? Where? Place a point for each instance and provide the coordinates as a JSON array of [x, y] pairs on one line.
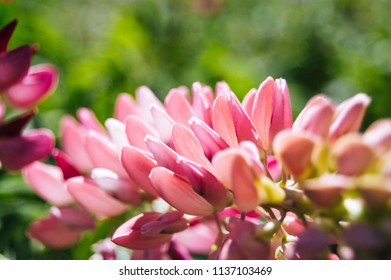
[[102, 48]]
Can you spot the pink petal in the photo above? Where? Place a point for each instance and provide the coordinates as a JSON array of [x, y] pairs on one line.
[[179, 193], [378, 135], [40, 81], [125, 190], [94, 199], [211, 142], [116, 130], [222, 121], [187, 144], [14, 65], [349, 115], [263, 110], [294, 151], [204, 182], [164, 155], [243, 179], [145, 100], [48, 182], [198, 238], [16, 152], [73, 140], [89, 121], [248, 101], [282, 111], [163, 123], [178, 106], [53, 233], [138, 165], [129, 234], [136, 129], [352, 155], [316, 117], [202, 102], [73, 218], [124, 106], [103, 153]]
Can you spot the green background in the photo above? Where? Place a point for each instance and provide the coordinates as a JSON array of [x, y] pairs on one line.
[[102, 48]]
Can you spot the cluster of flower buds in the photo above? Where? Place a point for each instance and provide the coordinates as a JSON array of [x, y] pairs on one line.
[[203, 174], [22, 86]]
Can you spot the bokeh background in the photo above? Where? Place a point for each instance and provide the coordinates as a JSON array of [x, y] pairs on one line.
[[102, 48]]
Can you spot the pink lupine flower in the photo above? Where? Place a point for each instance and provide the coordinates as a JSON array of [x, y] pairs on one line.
[[271, 110], [316, 117], [149, 230], [348, 116], [62, 228]]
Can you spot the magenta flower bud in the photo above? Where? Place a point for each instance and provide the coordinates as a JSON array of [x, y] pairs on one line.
[[271, 110], [149, 230]]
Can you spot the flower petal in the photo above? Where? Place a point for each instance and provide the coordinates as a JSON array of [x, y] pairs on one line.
[[40, 81], [187, 144], [222, 121], [263, 110], [136, 130], [73, 140], [53, 233], [48, 182], [211, 141], [104, 153], [16, 152], [14, 65], [73, 218], [316, 117], [179, 193], [124, 106], [202, 102], [88, 194], [349, 115], [179, 98], [130, 236], [138, 165]]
